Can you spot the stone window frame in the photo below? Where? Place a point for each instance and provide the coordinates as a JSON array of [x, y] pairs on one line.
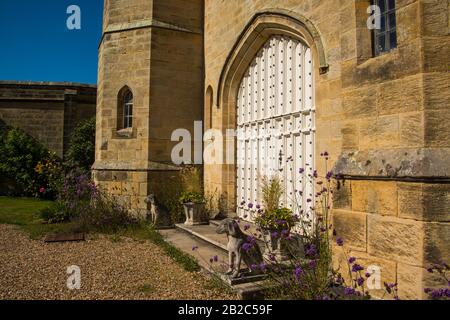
[[388, 12], [365, 50], [125, 128]]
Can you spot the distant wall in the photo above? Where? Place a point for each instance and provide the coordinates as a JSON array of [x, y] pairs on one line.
[[47, 111]]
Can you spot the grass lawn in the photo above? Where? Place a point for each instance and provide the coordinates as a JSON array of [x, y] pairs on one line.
[[24, 212]]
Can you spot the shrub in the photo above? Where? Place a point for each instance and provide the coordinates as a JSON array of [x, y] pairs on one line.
[[272, 190], [276, 220], [81, 151], [104, 214], [191, 197], [20, 155], [57, 212]]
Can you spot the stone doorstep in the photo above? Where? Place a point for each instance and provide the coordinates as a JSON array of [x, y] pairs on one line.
[[210, 244]]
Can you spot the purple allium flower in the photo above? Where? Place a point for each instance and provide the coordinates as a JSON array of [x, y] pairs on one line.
[[263, 267], [194, 248], [349, 291], [285, 232], [312, 264], [351, 259], [274, 234], [368, 275], [298, 271], [258, 206], [340, 241], [360, 281], [254, 266], [329, 175], [356, 267], [247, 246], [311, 251], [246, 227], [250, 205]]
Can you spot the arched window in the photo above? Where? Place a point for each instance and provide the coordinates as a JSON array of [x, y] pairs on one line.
[[125, 109]]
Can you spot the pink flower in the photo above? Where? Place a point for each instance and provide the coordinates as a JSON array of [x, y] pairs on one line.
[[41, 189]]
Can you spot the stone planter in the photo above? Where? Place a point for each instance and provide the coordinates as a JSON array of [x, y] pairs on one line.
[[276, 246], [195, 214]]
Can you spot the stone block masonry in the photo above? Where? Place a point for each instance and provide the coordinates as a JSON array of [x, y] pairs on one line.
[[48, 111]]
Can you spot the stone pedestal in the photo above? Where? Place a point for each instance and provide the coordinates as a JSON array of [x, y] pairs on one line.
[[195, 214]]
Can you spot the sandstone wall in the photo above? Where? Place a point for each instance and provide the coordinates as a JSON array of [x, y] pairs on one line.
[[382, 119], [154, 48], [47, 111]]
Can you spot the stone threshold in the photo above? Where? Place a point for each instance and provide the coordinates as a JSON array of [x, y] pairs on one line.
[[209, 244]]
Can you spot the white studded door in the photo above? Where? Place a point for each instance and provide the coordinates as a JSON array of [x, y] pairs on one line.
[[275, 123]]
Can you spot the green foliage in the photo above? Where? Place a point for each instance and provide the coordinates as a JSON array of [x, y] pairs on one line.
[[81, 151], [57, 212], [272, 190], [24, 212], [20, 154], [276, 220], [191, 197], [104, 214]]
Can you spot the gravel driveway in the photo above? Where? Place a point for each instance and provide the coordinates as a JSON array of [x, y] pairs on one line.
[[125, 269]]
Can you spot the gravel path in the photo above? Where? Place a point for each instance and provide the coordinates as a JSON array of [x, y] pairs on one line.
[[125, 269]]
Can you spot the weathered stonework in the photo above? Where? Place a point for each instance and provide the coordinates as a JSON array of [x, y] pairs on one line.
[[383, 119], [155, 49], [48, 111]]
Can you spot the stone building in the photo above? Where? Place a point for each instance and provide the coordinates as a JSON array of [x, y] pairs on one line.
[[48, 111], [296, 78]]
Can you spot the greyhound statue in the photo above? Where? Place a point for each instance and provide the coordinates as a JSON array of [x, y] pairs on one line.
[[236, 239]]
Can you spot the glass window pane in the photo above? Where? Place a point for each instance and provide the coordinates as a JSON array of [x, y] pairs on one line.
[[381, 42], [383, 23], [392, 39], [391, 4], [392, 20], [382, 6]]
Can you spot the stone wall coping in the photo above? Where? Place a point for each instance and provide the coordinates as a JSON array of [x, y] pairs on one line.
[[6, 83], [129, 166], [403, 163]]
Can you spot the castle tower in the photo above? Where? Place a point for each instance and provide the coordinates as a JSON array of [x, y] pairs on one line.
[[150, 82]]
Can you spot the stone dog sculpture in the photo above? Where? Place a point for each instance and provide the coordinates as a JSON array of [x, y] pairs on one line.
[[236, 238]]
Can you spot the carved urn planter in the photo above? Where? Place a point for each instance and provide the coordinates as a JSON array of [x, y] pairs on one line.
[[195, 213], [277, 246]]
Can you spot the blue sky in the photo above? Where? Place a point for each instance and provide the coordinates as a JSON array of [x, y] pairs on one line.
[[36, 45]]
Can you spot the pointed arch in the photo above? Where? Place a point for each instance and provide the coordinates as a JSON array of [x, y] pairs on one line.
[[125, 104], [261, 27], [258, 31]]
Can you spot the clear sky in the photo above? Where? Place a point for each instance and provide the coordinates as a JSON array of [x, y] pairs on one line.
[[36, 45]]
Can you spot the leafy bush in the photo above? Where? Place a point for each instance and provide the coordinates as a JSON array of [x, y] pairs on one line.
[[104, 214], [20, 158], [272, 190], [57, 212], [191, 197], [81, 151], [276, 220]]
